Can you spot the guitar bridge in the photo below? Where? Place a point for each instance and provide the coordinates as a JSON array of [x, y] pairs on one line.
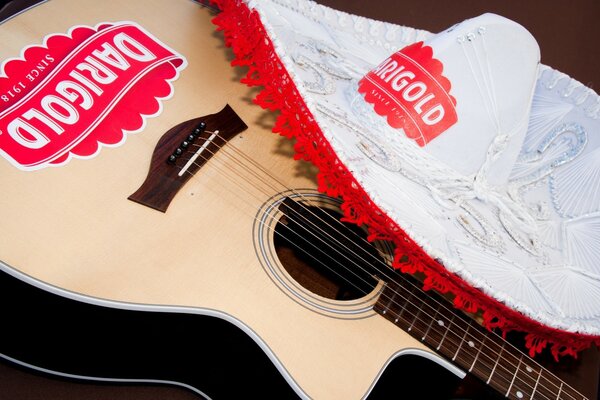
[[181, 152]]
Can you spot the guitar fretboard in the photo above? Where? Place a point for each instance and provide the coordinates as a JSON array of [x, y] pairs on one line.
[[461, 340]]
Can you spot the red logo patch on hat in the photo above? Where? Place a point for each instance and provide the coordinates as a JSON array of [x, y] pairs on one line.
[[409, 90], [80, 91]]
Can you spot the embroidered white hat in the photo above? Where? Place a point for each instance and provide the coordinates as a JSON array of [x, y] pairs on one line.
[[480, 164]]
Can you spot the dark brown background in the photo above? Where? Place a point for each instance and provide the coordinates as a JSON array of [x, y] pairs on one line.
[[568, 33]]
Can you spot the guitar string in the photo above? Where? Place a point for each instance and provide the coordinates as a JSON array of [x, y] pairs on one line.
[[471, 326], [376, 259], [337, 261], [371, 255], [434, 329], [495, 106]]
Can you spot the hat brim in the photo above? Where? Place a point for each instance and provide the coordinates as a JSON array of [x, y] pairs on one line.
[[255, 48]]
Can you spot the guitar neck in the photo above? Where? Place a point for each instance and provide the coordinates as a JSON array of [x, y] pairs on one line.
[[485, 354]]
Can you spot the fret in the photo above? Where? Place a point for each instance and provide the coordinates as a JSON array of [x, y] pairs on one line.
[[496, 363], [506, 364], [419, 316], [433, 318], [461, 342], [550, 386], [448, 328], [406, 301], [438, 323], [493, 363], [486, 355], [466, 357], [527, 377], [381, 308], [390, 302], [559, 391], [450, 341], [537, 382], [438, 331], [435, 330], [566, 392], [477, 355], [514, 376], [440, 334], [395, 310], [415, 318]]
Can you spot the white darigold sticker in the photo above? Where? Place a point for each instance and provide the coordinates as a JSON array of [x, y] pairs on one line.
[[80, 91]]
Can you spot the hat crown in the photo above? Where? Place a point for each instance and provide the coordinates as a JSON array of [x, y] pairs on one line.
[[489, 64]]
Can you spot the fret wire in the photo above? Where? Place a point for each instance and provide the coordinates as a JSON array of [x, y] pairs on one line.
[[559, 390], [551, 379], [502, 382], [406, 320], [514, 376], [488, 372], [445, 333], [476, 356], [428, 309], [495, 364], [497, 341], [482, 344], [536, 383], [530, 377], [423, 309], [505, 377], [390, 301], [410, 314], [481, 371], [416, 317], [461, 343], [430, 324], [486, 366], [408, 300]]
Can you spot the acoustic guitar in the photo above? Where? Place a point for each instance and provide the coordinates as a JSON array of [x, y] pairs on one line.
[[155, 230]]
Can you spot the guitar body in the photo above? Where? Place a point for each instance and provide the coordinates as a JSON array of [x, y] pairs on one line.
[[71, 229], [205, 351]]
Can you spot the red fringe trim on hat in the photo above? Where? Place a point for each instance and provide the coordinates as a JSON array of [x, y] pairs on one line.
[[246, 35]]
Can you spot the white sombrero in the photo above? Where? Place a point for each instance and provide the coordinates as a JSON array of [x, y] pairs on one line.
[[482, 165]]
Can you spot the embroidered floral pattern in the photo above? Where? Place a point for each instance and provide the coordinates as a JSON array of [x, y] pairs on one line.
[[246, 35]]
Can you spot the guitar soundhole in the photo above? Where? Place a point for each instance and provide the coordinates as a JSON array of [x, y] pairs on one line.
[[320, 253], [321, 263]]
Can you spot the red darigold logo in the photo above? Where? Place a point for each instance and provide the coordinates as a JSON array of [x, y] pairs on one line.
[[80, 91], [409, 90]]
